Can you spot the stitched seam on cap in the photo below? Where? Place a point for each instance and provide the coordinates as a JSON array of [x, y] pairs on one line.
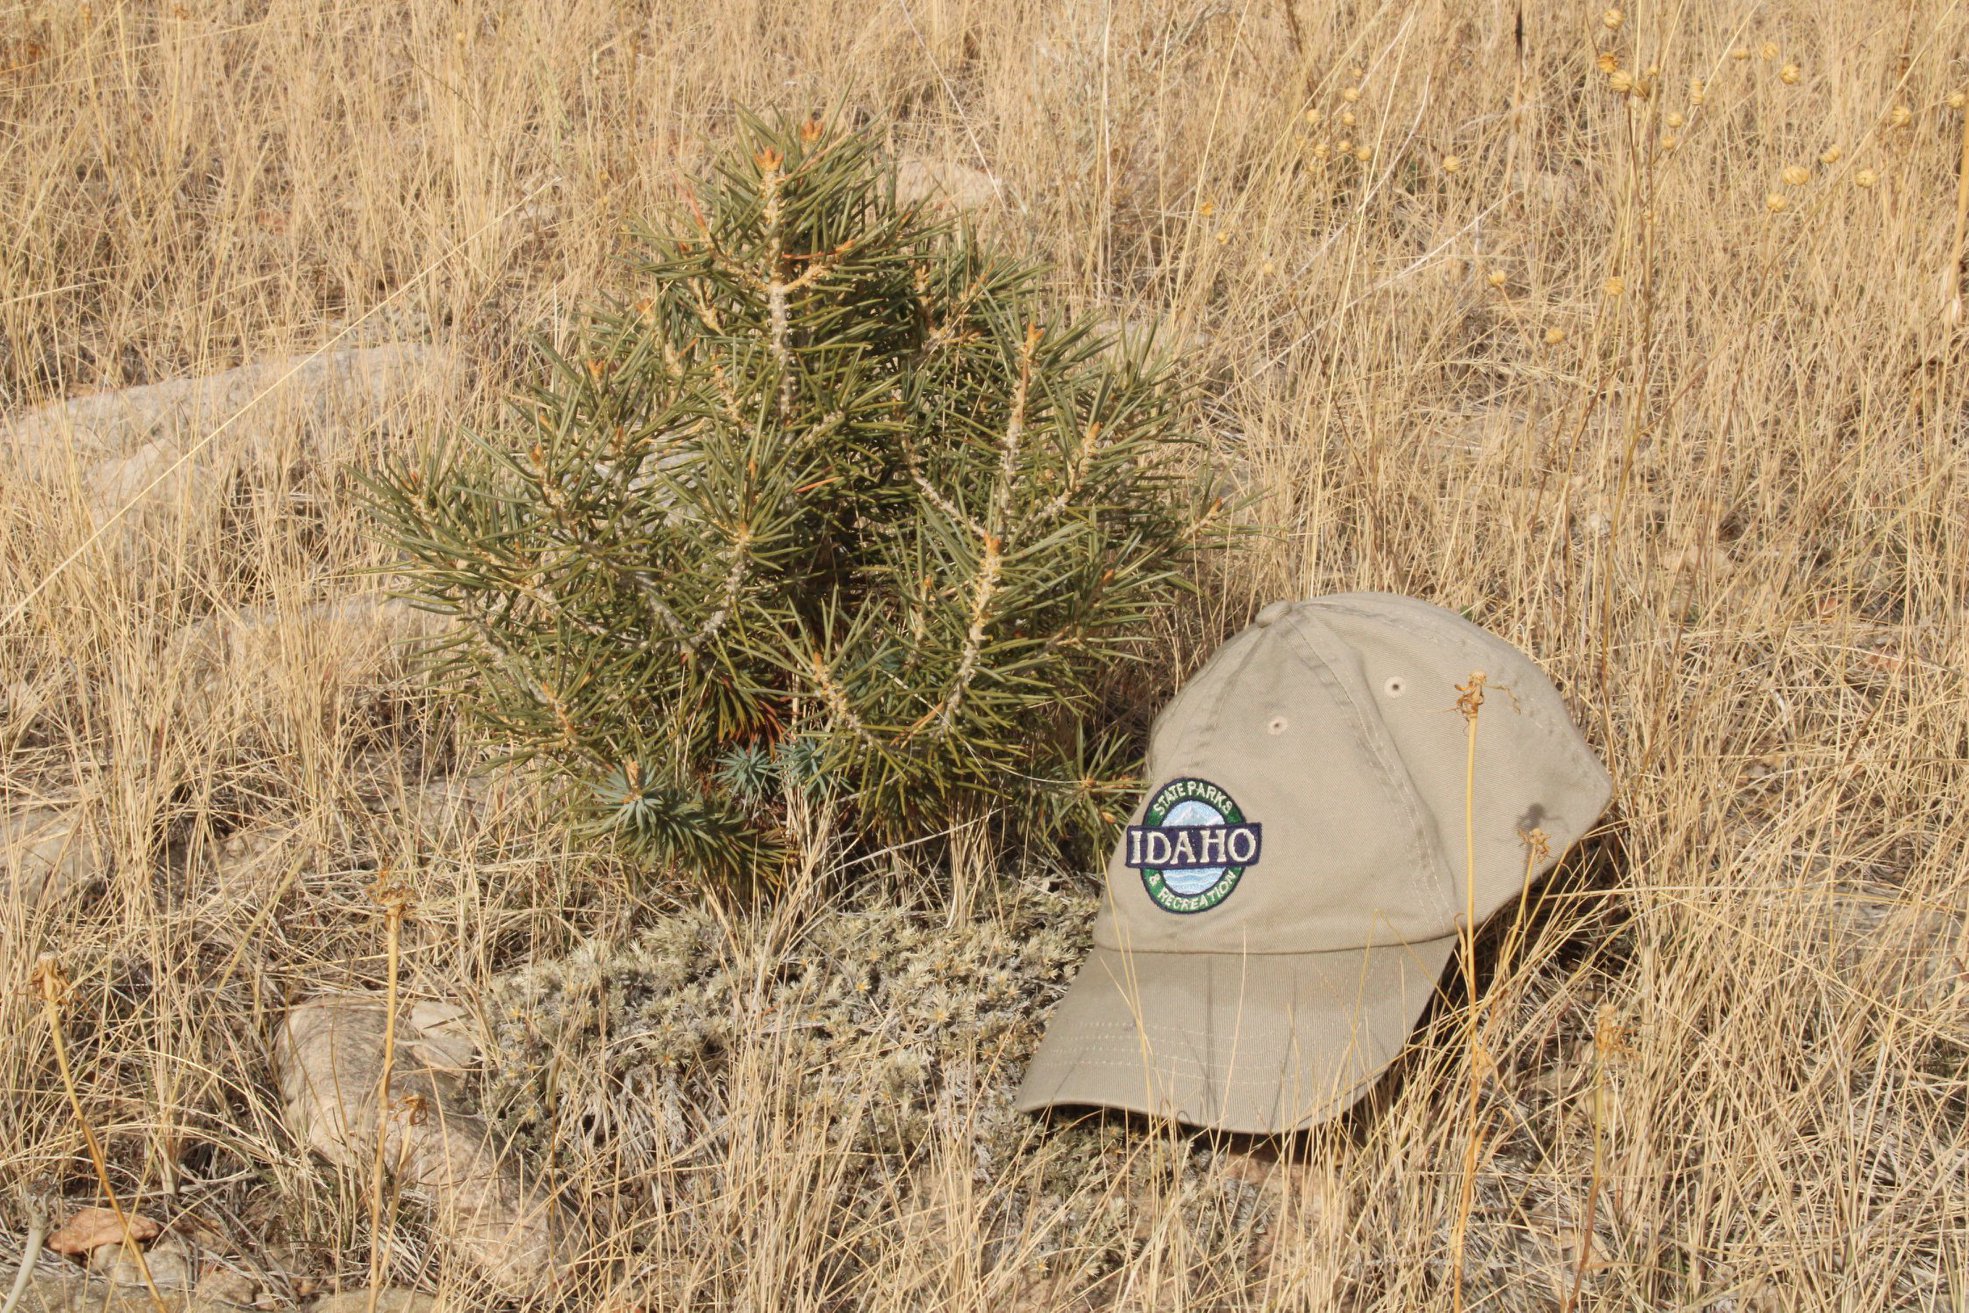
[[1568, 736], [1164, 1028], [1267, 1078], [1404, 799], [1381, 946], [1224, 684], [1214, 702], [1373, 1059]]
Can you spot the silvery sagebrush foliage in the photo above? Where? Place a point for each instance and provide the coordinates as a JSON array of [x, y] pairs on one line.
[[881, 1030], [893, 1018], [834, 502]]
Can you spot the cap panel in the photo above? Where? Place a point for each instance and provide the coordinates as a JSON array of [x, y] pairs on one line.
[[1274, 759], [1533, 768]]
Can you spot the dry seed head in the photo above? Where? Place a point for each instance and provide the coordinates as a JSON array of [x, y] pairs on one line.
[[1769, 50], [1351, 94], [1312, 115], [1495, 278], [1865, 178], [1347, 118], [1223, 236], [1612, 18], [1364, 153], [1451, 164], [1608, 61], [1789, 75], [1675, 119], [1670, 142], [1207, 209], [1831, 155], [1796, 176], [1900, 116], [1621, 80], [1775, 202], [1321, 150], [1554, 336], [1614, 286], [1740, 54], [392, 892], [1696, 91], [50, 981], [1958, 99], [1346, 145]]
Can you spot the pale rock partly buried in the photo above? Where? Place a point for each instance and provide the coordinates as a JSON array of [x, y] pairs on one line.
[[180, 441], [49, 851], [329, 1056], [171, 1262], [236, 658], [946, 184], [390, 1299]]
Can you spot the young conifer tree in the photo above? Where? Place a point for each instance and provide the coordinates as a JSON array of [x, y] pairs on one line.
[[832, 502]]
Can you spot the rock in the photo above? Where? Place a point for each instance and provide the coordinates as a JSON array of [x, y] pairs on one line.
[[224, 1285], [389, 1299], [329, 1057], [170, 1261], [181, 440], [120, 423], [208, 645], [450, 809], [940, 183], [77, 1294], [223, 660], [303, 1266], [47, 852], [255, 861], [83, 1294], [447, 1040]]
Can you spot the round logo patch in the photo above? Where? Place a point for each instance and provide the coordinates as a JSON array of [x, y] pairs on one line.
[[1192, 846]]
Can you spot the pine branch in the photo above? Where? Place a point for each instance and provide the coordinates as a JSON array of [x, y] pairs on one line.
[[835, 501]]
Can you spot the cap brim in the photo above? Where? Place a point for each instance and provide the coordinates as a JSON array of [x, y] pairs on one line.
[[1258, 1042]]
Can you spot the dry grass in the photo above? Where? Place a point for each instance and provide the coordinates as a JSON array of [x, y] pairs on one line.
[[1724, 503]]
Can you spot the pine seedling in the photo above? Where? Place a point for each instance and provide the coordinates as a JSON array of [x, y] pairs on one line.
[[834, 501]]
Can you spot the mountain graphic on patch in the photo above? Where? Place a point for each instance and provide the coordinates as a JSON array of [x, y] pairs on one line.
[[1193, 845]]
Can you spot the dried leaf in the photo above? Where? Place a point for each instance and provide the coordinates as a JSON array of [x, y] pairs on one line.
[[91, 1228]]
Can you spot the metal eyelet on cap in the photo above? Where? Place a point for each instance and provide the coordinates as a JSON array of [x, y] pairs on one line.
[[1278, 725], [1393, 688]]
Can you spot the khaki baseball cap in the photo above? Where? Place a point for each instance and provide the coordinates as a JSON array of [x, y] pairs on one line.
[[1287, 893]]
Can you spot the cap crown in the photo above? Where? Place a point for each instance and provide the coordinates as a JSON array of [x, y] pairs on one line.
[[1307, 786]]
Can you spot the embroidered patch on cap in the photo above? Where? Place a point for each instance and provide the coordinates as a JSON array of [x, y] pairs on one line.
[[1193, 846]]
